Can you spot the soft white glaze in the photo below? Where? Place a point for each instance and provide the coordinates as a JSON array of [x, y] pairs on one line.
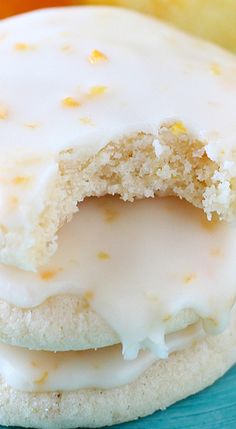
[[150, 72], [106, 368], [137, 264]]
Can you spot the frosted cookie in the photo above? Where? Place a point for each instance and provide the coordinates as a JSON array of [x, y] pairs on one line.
[[124, 272], [66, 323], [98, 101], [130, 390]]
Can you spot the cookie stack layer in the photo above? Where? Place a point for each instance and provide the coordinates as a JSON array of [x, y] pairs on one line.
[[135, 297]]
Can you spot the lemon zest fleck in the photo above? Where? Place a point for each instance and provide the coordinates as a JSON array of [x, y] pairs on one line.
[[42, 379], [20, 180], [189, 278], [13, 202], [97, 56], [66, 48], [215, 69], [85, 120], [103, 255], [70, 102], [31, 125], [88, 295], [216, 251], [178, 128], [110, 214], [97, 90], [167, 317], [21, 46], [3, 113], [3, 228]]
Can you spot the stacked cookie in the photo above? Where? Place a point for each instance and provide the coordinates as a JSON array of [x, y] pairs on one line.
[[136, 296]]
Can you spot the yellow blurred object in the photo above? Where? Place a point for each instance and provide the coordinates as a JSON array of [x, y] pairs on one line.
[[214, 20]]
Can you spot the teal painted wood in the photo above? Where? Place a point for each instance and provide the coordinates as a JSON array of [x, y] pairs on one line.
[[214, 408]]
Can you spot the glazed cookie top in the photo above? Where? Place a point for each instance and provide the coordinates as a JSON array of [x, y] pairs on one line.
[[137, 265], [71, 81]]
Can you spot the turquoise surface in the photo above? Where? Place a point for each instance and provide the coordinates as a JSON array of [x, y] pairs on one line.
[[214, 408]]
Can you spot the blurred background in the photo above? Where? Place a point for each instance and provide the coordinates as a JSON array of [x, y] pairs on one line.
[[214, 20]]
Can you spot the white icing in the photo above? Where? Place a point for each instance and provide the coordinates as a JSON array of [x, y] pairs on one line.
[[32, 371], [152, 73], [138, 264]]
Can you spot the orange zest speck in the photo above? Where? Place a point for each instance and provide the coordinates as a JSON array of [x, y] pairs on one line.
[[48, 275], [210, 225]]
